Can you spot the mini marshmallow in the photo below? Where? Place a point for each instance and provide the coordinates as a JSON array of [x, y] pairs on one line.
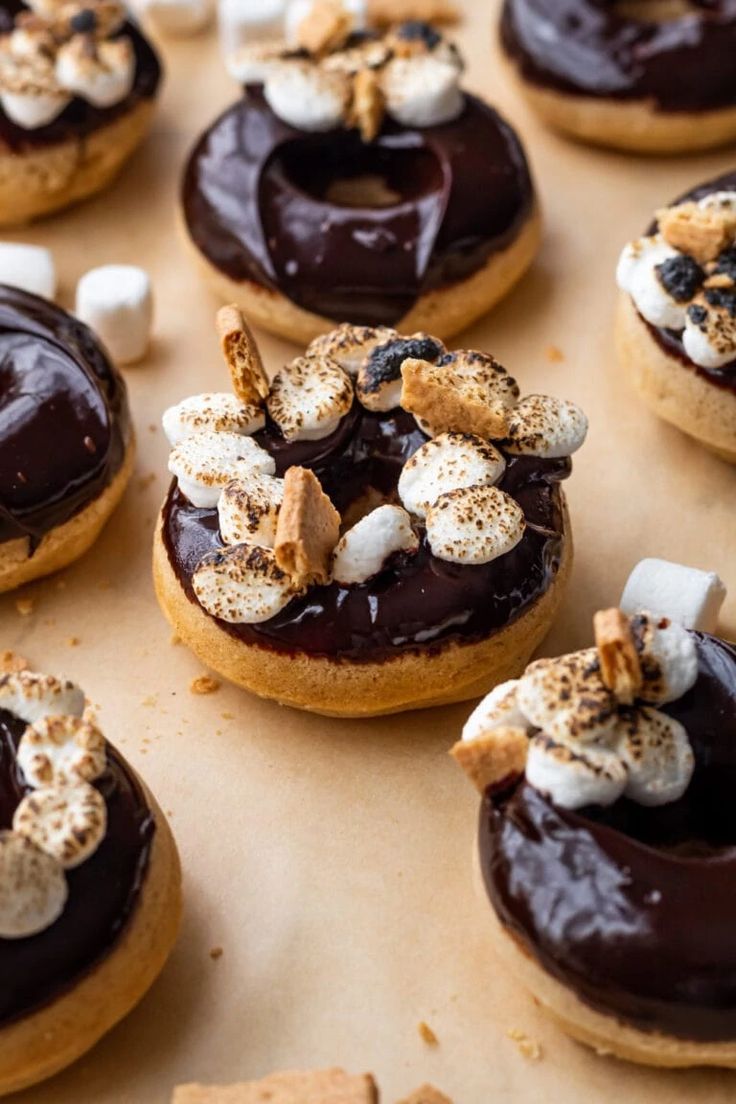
[[447, 463], [251, 64], [499, 709], [350, 346], [574, 777], [544, 426], [472, 367], [422, 91], [306, 97], [299, 10], [67, 822], [362, 551], [309, 397], [245, 23], [668, 657], [101, 72], [31, 696], [204, 463], [474, 525], [248, 509], [379, 383], [691, 597], [659, 759], [175, 17], [30, 267], [567, 698], [637, 275], [217, 411], [33, 889], [718, 200], [117, 302], [61, 751], [242, 584], [709, 337]]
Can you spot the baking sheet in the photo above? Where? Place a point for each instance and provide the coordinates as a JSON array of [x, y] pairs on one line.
[[331, 860]]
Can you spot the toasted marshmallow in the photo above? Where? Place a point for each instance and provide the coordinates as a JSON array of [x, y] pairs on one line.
[[350, 346], [309, 397], [668, 657], [117, 302], [175, 17], [637, 274], [61, 751], [248, 22], [371, 54], [33, 889], [499, 709], [218, 411], [297, 11], [447, 463], [379, 382], [204, 463], [484, 372], [251, 64], [30, 94], [725, 201], [248, 509], [67, 822], [363, 551], [30, 267], [573, 777], [422, 91], [474, 525], [30, 696], [307, 97], [691, 597], [242, 584], [101, 72], [656, 751], [543, 426], [33, 110], [567, 698], [709, 338]]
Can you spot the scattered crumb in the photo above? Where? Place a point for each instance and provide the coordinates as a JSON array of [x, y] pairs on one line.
[[73, 642], [11, 662], [427, 1034], [228, 716], [204, 685], [152, 427], [215, 953], [24, 606], [150, 702], [145, 481], [528, 1048], [174, 639], [554, 355]]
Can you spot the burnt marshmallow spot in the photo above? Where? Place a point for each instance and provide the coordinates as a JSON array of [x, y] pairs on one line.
[[697, 314], [681, 277], [84, 21], [726, 263], [725, 298], [384, 363], [416, 30]]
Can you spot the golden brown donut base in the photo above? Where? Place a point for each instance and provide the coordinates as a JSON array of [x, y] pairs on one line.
[[44, 1042], [443, 312], [674, 392], [343, 689], [67, 542], [45, 179]]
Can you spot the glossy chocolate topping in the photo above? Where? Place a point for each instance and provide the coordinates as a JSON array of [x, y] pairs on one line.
[[80, 118], [418, 601], [103, 891], [64, 421], [590, 48], [634, 908], [256, 196]]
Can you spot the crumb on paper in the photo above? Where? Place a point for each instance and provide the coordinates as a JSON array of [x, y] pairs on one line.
[[152, 427], [73, 642], [215, 953], [174, 639], [527, 1047], [427, 1034], [145, 481], [150, 702], [205, 684], [554, 354], [228, 716], [24, 606]]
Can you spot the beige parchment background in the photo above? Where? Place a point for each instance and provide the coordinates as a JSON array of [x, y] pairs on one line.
[[331, 860]]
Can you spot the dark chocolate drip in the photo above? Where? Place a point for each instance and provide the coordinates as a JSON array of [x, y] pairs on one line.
[[255, 196], [418, 601], [587, 47], [64, 421], [634, 908], [103, 891]]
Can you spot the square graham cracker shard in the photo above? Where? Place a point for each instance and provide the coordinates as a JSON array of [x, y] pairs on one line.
[[307, 530], [495, 756], [332, 1086], [620, 667], [449, 403], [426, 1094], [242, 357]]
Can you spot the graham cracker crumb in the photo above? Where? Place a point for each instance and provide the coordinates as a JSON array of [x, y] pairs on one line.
[[368, 103], [24, 606], [11, 662], [554, 354], [174, 639], [620, 667], [242, 357], [307, 530], [215, 953], [427, 1034], [425, 1094], [385, 13], [145, 481], [73, 642], [325, 28], [493, 757], [702, 233], [528, 1048], [449, 404], [204, 684]]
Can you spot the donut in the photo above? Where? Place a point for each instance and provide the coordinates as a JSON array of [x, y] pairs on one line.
[[605, 837], [654, 77], [380, 527], [66, 442], [89, 880], [403, 201], [78, 84], [676, 323]]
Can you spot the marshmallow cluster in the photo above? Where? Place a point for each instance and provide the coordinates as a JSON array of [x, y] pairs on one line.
[[61, 822]]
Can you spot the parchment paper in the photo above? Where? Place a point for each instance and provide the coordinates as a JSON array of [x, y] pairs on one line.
[[331, 860]]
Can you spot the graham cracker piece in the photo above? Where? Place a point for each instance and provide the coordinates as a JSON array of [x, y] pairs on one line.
[[425, 1094], [239, 348], [449, 403], [325, 28], [367, 105], [11, 663], [385, 13], [620, 667], [702, 233], [497, 755], [331, 1086], [307, 530]]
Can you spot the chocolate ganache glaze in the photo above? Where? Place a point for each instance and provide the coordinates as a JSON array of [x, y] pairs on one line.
[[634, 908], [417, 601], [591, 48], [64, 422], [256, 203], [80, 118], [103, 890]]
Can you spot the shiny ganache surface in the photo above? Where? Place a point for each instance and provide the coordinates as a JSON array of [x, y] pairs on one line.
[[589, 47], [64, 422], [256, 198], [634, 908], [417, 601], [103, 891]]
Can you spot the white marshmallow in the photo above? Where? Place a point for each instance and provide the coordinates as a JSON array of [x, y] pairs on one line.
[[710, 343], [242, 584], [248, 509], [61, 751], [31, 696], [363, 550], [30, 267], [497, 386], [499, 709], [350, 346], [103, 80], [474, 525], [220, 411], [543, 426], [636, 274], [67, 822], [723, 200], [422, 91], [298, 10], [659, 759], [33, 889], [32, 110], [203, 464], [573, 777], [447, 463], [252, 63], [175, 17], [567, 698], [668, 657], [309, 397], [306, 97], [245, 22], [687, 595], [117, 302]]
